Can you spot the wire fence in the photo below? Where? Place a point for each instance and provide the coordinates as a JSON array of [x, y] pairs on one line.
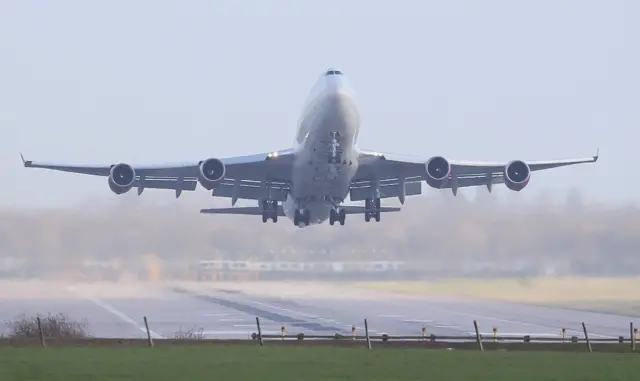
[[478, 340]]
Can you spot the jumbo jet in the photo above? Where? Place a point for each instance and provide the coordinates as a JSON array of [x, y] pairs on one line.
[[310, 182]]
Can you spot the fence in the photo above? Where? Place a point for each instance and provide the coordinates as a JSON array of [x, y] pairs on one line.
[[478, 338]]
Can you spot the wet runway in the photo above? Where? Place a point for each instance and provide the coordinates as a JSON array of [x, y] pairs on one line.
[[229, 310]]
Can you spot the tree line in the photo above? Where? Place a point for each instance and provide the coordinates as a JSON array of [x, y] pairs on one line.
[[433, 227]]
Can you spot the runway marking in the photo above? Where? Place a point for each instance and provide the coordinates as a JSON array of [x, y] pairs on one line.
[[229, 320], [214, 315], [391, 316], [514, 322], [516, 334], [249, 307], [247, 333], [416, 321], [362, 329], [446, 326], [112, 310], [310, 316], [286, 310]]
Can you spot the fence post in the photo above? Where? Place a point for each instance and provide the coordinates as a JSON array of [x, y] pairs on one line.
[[259, 331], [366, 333], [633, 342], [146, 325], [495, 334], [283, 331], [41, 333], [353, 332], [564, 332], [586, 336], [424, 332], [478, 339]]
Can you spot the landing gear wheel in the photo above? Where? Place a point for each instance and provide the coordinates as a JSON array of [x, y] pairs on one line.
[[337, 215], [302, 217], [373, 209], [307, 217], [269, 211]]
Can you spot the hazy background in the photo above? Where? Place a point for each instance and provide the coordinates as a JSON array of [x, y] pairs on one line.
[[435, 235], [165, 81]]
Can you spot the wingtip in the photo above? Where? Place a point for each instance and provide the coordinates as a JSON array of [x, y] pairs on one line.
[[597, 156], [26, 163]]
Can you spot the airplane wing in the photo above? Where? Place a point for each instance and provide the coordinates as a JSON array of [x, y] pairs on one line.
[[394, 171], [239, 172]]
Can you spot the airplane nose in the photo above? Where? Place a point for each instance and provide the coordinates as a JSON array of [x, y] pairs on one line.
[[338, 85]]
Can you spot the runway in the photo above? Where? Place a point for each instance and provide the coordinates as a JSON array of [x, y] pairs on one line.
[[228, 310]]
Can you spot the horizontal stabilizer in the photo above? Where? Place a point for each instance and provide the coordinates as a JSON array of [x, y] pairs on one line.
[[349, 209], [245, 210], [257, 211]]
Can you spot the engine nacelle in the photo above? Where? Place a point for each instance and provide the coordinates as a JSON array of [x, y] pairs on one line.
[[438, 170], [212, 171], [121, 178], [516, 175]]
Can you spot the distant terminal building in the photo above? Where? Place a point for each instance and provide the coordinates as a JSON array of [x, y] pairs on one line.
[[211, 270]]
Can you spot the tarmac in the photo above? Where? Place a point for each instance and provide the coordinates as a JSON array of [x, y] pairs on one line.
[[229, 310]]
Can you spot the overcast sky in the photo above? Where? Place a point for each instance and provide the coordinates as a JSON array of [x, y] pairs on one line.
[[165, 81]]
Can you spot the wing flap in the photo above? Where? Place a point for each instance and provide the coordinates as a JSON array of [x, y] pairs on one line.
[[248, 190], [174, 184], [389, 188]]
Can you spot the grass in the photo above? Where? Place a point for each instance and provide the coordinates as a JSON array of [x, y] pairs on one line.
[[614, 295], [288, 363]]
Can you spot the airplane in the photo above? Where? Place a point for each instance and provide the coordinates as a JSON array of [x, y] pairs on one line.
[[310, 182]]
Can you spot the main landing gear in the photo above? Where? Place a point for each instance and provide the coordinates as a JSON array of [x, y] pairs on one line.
[[302, 216], [373, 209], [269, 211], [339, 216]]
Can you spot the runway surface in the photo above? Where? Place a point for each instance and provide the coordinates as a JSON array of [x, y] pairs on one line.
[[228, 310]]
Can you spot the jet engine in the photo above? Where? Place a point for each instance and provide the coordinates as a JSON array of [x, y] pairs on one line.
[[516, 175], [438, 171], [211, 172], [121, 178]]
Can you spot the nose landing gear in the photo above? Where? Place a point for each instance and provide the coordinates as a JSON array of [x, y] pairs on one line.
[[302, 217]]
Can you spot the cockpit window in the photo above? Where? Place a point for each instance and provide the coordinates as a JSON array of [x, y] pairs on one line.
[[333, 72]]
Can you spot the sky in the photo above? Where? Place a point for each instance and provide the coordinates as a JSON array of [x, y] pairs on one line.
[[100, 82]]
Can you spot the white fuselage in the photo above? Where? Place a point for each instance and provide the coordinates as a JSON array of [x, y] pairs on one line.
[[326, 157]]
